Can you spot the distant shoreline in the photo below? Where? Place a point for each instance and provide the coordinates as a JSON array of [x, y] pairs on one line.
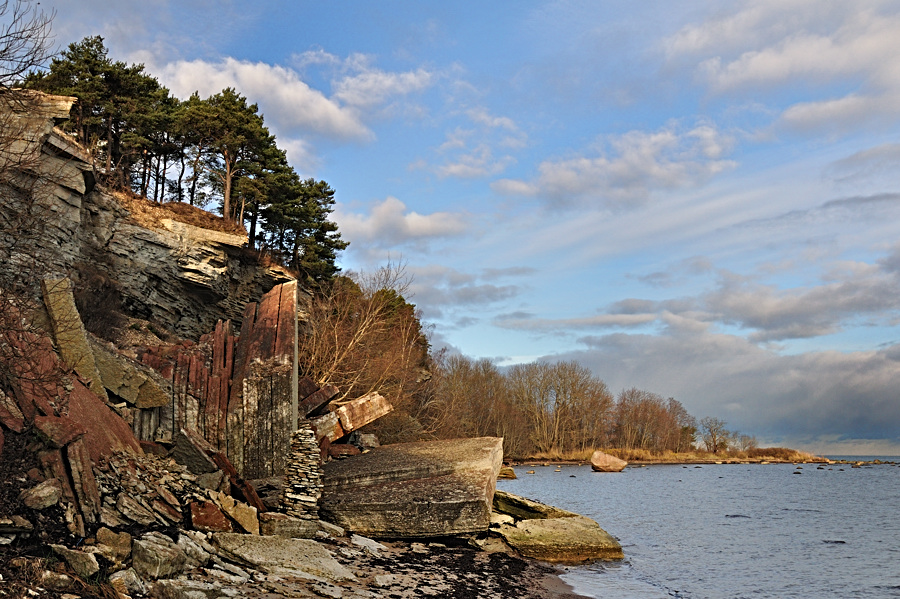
[[704, 461]]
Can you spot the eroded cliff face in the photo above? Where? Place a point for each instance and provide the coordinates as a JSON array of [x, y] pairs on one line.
[[178, 275]]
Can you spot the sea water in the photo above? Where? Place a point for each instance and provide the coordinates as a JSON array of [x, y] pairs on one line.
[[733, 530]]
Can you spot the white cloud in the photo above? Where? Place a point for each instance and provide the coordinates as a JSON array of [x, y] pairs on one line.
[[375, 87], [469, 152], [480, 162], [773, 44], [287, 102], [444, 292], [637, 164], [390, 224], [600, 321]]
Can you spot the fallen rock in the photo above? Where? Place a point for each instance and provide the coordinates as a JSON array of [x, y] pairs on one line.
[[281, 525], [562, 540], [127, 582], [133, 510], [43, 495], [192, 451], [68, 331], [58, 431], [15, 525], [372, 546], [196, 550], [271, 554], [526, 509], [55, 581], [157, 556], [507, 473], [207, 517], [114, 546], [190, 589], [134, 382], [83, 564], [603, 462], [423, 489], [240, 512]]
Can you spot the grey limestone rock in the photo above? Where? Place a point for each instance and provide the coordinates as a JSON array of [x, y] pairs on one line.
[[157, 556], [274, 553]]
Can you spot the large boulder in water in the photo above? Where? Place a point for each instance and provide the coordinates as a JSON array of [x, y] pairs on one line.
[[603, 462], [424, 489]]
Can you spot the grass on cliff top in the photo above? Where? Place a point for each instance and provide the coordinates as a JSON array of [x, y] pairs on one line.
[[149, 214], [768, 454]]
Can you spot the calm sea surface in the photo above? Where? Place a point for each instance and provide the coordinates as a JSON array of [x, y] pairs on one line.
[[734, 531]]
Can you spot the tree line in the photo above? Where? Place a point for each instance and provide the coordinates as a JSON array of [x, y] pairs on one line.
[[209, 152], [363, 335]]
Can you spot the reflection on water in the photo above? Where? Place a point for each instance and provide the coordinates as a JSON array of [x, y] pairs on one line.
[[723, 531]]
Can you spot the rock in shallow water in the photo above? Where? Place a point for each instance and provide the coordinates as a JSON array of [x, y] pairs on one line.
[[563, 540]]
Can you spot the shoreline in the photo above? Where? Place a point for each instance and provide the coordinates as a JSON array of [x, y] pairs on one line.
[[705, 462]]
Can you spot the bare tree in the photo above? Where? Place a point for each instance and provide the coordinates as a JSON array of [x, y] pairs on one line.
[[714, 434], [361, 335], [26, 42]]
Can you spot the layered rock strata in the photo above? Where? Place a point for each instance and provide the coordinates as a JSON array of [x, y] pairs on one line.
[[423, 489], [550, 534], [176, 274]]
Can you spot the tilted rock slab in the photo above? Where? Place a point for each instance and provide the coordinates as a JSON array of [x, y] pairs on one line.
[[279, 554], [423, 489], [551, 534], [563, 540], [134, 382], [68, 331]]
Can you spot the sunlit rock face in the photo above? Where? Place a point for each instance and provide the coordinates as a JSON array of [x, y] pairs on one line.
[[181, 276], [414, 490]]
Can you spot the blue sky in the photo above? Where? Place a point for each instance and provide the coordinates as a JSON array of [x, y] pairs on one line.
[[699, 199]]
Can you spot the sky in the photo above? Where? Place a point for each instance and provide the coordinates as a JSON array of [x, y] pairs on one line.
[[698, 199]]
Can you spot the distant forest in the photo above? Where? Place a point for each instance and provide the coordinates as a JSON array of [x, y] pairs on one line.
[[361, 333]]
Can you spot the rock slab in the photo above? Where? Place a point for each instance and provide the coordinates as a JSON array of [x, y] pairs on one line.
[[410, 490], [271, 554], [562, 540]]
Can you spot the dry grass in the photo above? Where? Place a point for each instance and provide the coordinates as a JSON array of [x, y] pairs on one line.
[[149, 214]]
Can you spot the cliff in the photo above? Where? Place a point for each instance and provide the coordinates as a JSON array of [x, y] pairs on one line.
[[168, 271]]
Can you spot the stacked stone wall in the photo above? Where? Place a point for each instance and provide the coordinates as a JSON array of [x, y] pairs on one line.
[[303, 477]]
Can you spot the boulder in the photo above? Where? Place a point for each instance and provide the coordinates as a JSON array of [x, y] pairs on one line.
[[157, 556], [423, 489], [274, 524], [207, 517], [507, 473], [562, 540], [83, 564], [43, 495], [274, 554], [114, 546], [603, 462]]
